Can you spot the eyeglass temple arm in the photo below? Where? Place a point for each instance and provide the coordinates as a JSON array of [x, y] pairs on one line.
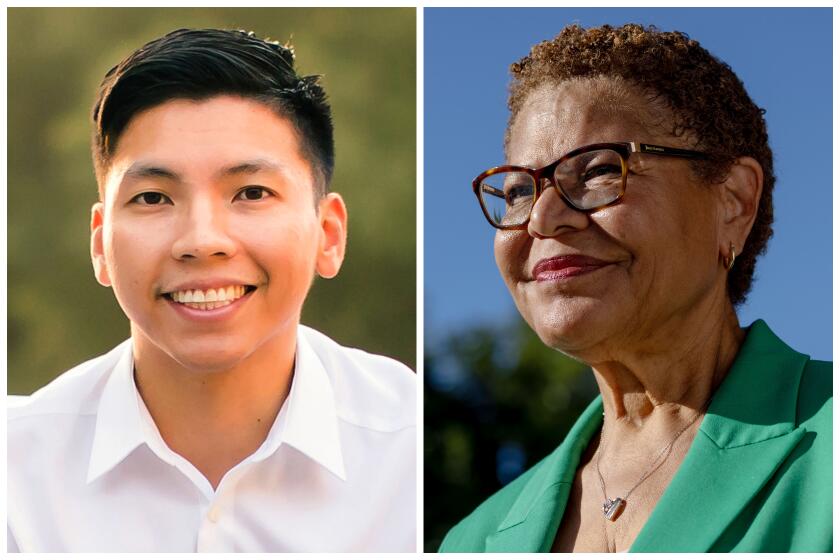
[[665, 151]]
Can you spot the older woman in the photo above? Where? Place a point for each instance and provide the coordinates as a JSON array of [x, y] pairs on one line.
[[638, 196]]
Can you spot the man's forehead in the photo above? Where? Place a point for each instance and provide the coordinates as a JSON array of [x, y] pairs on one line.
[[224, 121]]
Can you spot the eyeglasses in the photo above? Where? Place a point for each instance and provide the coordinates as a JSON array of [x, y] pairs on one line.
[[587, 179]]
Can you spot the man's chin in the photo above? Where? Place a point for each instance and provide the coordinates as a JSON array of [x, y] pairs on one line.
[[207, 361]]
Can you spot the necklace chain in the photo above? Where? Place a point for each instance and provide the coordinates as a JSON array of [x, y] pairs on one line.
[[613, 508]]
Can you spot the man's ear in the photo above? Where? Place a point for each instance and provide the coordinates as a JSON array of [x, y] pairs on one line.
[[740, 193], [333, 218], [97, 251]]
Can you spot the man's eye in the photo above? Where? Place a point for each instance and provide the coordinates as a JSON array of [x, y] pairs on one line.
[[253, 193], [150, 198]]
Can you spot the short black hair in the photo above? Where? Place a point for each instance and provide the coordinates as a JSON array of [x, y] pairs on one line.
[[198, 64]]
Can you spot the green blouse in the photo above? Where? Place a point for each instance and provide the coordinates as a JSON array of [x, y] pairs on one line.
[[757, 477]]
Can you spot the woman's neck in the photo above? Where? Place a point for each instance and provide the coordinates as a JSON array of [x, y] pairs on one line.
[[673, 373]]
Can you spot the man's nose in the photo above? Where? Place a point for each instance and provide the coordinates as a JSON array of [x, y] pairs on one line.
[[552, 215], [203, 231]]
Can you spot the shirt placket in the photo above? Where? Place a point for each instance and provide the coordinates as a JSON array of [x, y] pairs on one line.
[[216, 531]]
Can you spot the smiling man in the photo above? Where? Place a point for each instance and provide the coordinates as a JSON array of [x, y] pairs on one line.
[[222, 424]]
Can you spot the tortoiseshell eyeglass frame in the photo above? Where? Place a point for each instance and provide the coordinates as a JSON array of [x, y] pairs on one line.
[[545, 175]]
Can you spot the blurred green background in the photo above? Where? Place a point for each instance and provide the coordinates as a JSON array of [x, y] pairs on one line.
[[496, 400], [58, 316]]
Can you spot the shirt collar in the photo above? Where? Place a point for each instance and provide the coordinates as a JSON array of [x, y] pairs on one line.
[[119, 425], [308, 420]]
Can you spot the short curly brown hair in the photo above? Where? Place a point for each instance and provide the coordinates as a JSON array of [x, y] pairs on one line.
[[707, 100]]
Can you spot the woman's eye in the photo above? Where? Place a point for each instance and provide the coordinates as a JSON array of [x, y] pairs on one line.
[[519, 193], [602, 171], [253, 193], [150, 198]]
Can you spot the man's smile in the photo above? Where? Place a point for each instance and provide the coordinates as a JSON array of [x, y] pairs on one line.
[[210, 298]]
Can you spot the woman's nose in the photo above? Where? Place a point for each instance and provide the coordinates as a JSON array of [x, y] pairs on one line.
[[552, 215], [203, 231]]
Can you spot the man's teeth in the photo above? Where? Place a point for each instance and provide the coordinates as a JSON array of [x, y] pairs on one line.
[[209, 299]]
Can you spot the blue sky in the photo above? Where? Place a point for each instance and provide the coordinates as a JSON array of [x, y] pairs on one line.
[[783, 56]]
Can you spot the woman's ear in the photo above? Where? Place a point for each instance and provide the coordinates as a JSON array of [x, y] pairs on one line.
[[740, 193], [97, 252], [333, 218]]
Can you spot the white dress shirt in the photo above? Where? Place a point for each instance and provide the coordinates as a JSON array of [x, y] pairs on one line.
[[88, 470]]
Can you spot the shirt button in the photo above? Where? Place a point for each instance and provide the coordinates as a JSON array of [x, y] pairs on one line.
[[213, 514]]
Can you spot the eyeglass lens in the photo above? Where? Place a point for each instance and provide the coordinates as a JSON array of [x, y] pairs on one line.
[[588, 180]]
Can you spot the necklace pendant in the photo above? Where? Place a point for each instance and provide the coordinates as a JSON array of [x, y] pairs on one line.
[[613, 508]]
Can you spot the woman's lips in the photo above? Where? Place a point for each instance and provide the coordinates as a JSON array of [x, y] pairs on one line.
[[565, 266]]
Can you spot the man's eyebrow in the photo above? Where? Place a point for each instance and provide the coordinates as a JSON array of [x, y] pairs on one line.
[[251, 167], [140, 170], [143, 170]]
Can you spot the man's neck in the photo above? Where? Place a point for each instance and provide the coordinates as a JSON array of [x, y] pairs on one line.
[[215, 419]]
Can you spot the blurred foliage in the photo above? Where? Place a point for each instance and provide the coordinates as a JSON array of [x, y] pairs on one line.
[[496, 401], [58, 316]]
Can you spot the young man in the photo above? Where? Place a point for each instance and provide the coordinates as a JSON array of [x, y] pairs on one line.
[[222, 424]]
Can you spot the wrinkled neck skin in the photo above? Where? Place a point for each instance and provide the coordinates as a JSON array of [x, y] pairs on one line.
[[656, 387]]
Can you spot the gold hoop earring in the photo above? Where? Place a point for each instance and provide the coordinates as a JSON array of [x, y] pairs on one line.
[[730, 262]]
